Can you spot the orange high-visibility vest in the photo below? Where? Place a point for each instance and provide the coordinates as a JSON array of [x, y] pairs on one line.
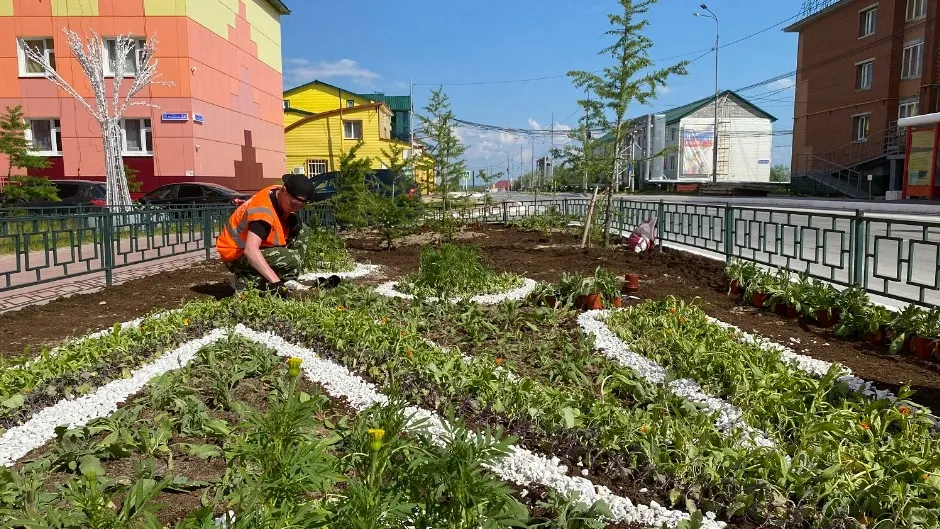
[[231, 242]]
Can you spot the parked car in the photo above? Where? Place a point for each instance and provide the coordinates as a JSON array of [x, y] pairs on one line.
[[379, 181], [73, 194], [193, 193]]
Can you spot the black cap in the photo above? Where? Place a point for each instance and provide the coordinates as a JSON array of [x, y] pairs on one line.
[[299, 186]]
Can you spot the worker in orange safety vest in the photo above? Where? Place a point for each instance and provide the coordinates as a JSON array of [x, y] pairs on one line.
[[262, 244]]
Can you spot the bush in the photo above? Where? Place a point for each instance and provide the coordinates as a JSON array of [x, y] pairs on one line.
[[455, 271], [325, 251]]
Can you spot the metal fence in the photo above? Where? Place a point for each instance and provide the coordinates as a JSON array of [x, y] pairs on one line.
[[42, 245], [896, 258]]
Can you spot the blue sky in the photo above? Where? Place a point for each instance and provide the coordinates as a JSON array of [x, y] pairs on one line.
[[371, 45]]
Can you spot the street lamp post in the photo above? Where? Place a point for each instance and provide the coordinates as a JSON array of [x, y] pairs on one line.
[[715, 130]]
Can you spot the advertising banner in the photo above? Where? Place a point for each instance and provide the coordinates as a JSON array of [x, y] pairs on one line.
[[697, 148]]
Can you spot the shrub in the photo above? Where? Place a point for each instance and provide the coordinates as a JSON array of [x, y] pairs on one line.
[[455, 271]]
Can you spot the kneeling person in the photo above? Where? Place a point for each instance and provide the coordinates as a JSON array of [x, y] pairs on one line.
[[262, 244]]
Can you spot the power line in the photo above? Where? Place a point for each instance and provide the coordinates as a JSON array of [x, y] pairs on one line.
[[704, 51]]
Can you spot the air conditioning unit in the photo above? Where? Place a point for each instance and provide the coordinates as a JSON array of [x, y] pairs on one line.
[[299, 170]]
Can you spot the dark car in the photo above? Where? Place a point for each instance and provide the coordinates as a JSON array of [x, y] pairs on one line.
[[379, 181], [73, 194], [193, 193]]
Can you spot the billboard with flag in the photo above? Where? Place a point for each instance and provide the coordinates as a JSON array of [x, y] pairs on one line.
[[697, 147]]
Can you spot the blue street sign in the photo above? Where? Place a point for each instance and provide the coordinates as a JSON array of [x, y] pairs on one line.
[[175, 117], [763, 162], [197, 118]]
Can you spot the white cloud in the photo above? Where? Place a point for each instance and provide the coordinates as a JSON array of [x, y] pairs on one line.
[[302, 71], [781, 84], [507, 151], [664, 90]]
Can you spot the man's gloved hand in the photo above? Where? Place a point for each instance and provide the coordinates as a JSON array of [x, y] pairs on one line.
[[278, 289]]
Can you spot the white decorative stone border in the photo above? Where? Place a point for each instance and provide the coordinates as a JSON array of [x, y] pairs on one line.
[[520, 466], [818, 368], [361, 270], [528, 286], [40, 428], [729, 416]]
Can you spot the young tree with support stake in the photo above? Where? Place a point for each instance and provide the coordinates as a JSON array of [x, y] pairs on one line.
[[444, 150], [14, 145], [109, 109], [630, 79]]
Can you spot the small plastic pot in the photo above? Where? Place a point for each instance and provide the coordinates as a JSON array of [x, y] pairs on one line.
[[923, 347], [632, 286], [827, 318], [734, 289], [785, 310], [877, 337], [589, 302], [758, 300], [617, 302]]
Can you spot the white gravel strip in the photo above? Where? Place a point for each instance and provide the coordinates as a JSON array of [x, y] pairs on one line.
[[40, 428], [520, 466], [528, 285], [729, 417], [361, 270], [817, 368]]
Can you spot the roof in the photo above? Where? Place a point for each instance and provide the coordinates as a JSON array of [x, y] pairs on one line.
[[280, 6], [815, 11], [677, 113], [400, 103], [328, 85], [314, 117], [299, 111]]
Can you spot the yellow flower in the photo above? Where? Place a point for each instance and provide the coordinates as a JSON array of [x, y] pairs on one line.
[[409, 354], [341, 308], [186, 321], [375, 438], [644, 429], [402, 333], [904, 410], [293, 367], [499, 361], [384, 321], [865, 426]]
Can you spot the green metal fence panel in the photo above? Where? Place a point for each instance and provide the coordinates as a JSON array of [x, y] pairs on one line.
[[901, 259]]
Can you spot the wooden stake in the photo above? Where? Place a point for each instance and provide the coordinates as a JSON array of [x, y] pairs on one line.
[[587, 221]]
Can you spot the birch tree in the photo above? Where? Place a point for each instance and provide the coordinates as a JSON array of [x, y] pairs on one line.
[[631, 78], [109, 108]]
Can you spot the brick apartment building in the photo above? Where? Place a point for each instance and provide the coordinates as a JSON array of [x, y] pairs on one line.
[[861, 65]]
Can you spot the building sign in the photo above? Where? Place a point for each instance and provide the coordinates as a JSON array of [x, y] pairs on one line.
[[175, 117], [697, 147], [763, 162], [197, 118]]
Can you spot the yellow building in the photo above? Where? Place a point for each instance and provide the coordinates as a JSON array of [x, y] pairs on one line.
[[323, 121]]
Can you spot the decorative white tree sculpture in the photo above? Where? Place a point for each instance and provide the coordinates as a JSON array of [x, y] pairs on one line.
[[109, 111]]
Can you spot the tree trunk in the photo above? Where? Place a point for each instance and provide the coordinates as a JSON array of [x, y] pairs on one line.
[[118, 194]]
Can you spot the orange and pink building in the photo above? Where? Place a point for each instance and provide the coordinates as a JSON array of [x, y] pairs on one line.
[[222, 121]]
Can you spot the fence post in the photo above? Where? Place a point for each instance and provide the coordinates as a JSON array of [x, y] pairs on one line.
[[564, 203], [857, 248], [107, 245], [505, 213], [729, 232], [207, 232], [660, 222]]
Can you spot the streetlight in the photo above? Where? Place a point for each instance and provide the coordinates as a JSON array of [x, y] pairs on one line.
[[550, 172], [713, 16]]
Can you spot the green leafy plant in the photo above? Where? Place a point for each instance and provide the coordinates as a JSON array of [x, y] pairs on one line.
[[742, 272], [325, 251], [455, 271]]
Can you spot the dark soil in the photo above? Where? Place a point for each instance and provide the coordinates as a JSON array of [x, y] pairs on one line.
[[691, 277], [43, 325], [532, 254]]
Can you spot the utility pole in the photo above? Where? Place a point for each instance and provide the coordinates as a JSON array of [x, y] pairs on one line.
[[587, 132], [713, 16], [532, 155]]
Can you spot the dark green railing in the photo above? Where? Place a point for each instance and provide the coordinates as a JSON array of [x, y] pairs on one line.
[[40, 246]]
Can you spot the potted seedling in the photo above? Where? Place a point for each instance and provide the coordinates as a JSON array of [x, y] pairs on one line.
[[545, 294], [581, 291], [821, 303], [924, 343], [903, 327], [758, 289], [868, 322], [740, 273], [781, 295], [608, 286]]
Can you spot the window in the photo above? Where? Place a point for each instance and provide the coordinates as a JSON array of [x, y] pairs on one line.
[[137, 137], [673, 134], [352, 130], [66, 190], [350, 103], [916, 9], [866, 22], [315, 167], [286, 104], [671, 162], [912, 60], [909, 106], [860, 127], [45, 136], [189, 191], [132, 61], [863, 74], [29, 67]]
